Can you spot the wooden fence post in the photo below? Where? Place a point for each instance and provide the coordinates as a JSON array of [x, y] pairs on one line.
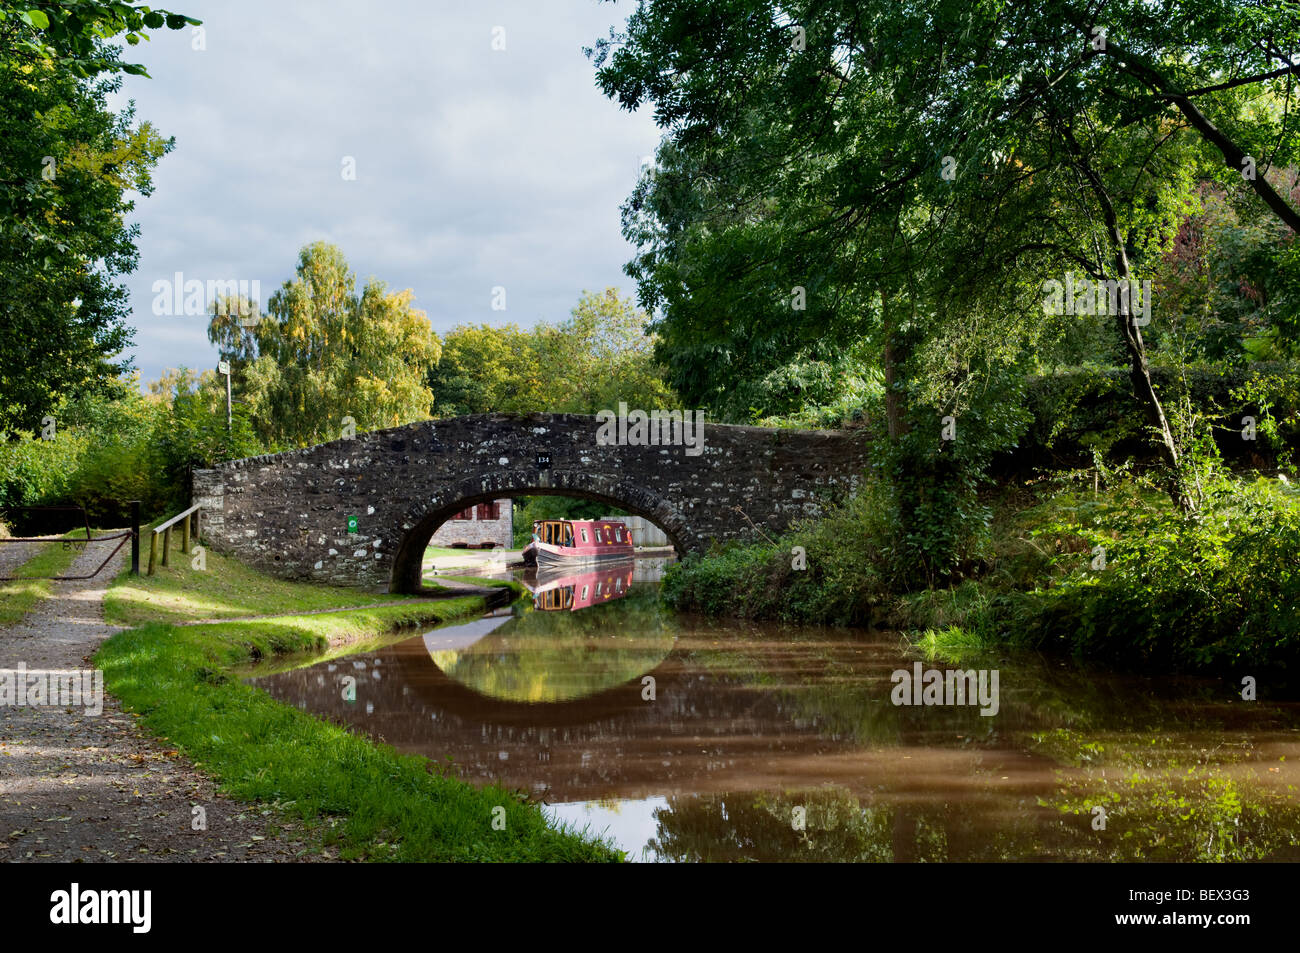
[[167, 545], [153, 551], [135, 537]]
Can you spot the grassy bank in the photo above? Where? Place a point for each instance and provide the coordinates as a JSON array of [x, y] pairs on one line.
[[225, 589], [1113, 576], [368, 800], [20, 596]]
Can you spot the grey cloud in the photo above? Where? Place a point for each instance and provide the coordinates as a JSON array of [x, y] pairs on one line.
[[475, 168]]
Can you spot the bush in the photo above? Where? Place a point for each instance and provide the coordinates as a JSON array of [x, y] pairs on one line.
[[1092, 410], [1215, 595], [109, 449], [841, 585]]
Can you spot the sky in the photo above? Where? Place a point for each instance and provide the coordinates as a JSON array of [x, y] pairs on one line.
[[474, 168]]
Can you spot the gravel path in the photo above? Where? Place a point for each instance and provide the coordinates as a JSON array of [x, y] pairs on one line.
[[13, 555], [78, 787]]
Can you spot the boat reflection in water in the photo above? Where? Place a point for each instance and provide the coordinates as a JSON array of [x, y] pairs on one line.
[[564, 590]]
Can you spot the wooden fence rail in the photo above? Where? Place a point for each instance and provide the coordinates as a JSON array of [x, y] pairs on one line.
[[189, 521]]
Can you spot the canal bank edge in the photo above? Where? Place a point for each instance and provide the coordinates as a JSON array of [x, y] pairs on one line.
[[362, 798]]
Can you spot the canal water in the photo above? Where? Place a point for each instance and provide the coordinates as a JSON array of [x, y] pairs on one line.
[[680, 738]]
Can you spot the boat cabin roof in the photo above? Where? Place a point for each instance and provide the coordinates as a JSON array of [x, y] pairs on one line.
[[602, 523]]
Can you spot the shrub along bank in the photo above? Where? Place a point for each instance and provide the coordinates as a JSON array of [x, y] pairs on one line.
[[1114, 576]]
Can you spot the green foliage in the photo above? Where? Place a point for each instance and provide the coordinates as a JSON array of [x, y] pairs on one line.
[[897, 181], [1089, 413], [843, 582], [596, 358], [73, 33], [120, 446], [325, 352], [1215, 595], [69, 166], [939, 524]]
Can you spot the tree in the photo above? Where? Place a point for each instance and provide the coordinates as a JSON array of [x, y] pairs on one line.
[[596, 358], [322, 353], [485, 369], [600, 356], [869, 147], [69, 164], [74, 34]]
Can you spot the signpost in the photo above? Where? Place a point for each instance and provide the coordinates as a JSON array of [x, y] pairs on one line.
[[223, 367]]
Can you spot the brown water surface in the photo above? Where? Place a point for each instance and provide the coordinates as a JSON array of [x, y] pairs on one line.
[[684, 739]]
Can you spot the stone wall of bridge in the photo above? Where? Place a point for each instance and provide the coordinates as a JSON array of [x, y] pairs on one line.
[[360, 511]]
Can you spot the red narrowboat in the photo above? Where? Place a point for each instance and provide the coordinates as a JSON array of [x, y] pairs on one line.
[[571, 592], [577, 542]]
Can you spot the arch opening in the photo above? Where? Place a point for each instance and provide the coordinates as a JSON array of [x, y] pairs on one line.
[[424, 519]]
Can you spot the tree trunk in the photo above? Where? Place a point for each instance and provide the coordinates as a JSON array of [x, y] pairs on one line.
[[893, 406], [1131, 337]]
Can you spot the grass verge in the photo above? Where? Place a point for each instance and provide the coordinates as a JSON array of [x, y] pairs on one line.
[[225, 589], [372, 802], [364, 798]]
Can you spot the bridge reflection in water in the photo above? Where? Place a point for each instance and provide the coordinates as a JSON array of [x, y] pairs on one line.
[[749, 726]]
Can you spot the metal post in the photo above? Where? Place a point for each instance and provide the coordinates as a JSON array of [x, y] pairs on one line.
[[135, 537], [223, 367]]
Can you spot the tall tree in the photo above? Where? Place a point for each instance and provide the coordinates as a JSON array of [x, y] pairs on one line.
[[597, 357], [322, 353], [69, 165], [797, 132]]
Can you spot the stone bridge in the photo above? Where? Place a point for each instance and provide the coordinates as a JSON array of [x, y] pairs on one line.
[[289, 513]]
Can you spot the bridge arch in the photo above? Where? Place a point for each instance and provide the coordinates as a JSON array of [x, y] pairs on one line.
[[356, 511], [423, 517]]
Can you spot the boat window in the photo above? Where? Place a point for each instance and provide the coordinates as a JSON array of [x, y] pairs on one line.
[[584, 592], [618, 533], [598, 539], [584, 536]]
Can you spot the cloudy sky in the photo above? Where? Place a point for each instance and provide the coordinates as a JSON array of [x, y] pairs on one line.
[[474, 167]]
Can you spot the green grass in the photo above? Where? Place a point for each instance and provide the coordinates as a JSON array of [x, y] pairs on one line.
[[364, 798], [949, 644], [225, 589], [20, 596], [370, 801]]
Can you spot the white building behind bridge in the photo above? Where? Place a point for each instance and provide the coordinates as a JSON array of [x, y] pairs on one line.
[[482, 526]]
